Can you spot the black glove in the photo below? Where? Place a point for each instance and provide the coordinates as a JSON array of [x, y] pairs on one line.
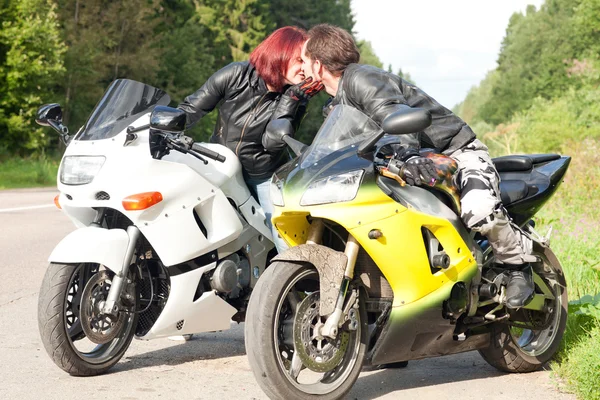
[[305, 89], [420, 170]]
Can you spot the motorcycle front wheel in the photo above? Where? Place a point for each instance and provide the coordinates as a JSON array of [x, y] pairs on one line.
[[69, 291], [289, 358]]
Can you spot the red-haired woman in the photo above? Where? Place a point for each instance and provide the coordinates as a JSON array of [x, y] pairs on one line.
[[252, 93]]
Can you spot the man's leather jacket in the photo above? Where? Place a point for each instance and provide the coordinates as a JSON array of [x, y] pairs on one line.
[[377, 92], [246, 108]]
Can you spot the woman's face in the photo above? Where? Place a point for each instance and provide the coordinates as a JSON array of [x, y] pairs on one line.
[[294, 73]]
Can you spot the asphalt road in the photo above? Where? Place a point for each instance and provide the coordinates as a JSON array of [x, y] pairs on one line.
[[210, 366]]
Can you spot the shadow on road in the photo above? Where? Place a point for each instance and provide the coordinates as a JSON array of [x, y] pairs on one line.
[[423, 373], [201, 347]]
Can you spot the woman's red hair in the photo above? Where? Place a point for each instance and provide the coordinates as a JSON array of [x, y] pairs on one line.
[[272, 56]]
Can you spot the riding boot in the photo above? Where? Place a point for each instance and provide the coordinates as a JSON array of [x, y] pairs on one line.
[[520, 288]]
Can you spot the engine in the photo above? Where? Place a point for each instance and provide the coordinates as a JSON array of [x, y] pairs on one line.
[[231, 275]]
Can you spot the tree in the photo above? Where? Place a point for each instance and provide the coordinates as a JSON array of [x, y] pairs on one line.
[[106, 40], [367, 54], [32, 64], [405, 75], [238, 24], [309, 13], [532, 59]]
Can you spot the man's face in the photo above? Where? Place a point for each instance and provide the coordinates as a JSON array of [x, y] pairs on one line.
[[310, 67]]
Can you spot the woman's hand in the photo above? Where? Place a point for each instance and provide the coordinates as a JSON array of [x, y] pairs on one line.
[[305, 89]]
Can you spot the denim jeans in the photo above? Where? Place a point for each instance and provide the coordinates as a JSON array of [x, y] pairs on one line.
[[261, 190]]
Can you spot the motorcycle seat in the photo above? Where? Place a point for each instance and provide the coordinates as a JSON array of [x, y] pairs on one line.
[[519, 163]]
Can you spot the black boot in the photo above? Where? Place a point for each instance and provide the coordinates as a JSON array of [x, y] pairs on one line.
[[520, 288]]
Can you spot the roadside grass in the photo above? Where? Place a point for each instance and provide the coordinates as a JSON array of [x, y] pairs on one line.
[[28, 172], [579, 367], [574, 214]]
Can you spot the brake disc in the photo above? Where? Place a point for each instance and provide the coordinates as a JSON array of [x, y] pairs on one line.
[[98, 327], [317, 353]]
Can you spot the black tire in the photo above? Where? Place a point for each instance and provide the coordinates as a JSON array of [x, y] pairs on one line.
[[507, 355], [54, 329], [260, 334]]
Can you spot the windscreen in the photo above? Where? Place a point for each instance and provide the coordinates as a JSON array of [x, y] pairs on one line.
[[344, 126], [123, 102]]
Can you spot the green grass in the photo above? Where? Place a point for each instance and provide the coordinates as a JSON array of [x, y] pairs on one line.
[[28, 172], [580, 365], [574, 214]]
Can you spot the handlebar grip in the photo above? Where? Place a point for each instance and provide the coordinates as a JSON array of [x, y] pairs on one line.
[[208, 152]]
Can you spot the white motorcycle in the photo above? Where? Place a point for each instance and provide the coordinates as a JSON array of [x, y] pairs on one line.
[[169, 239]]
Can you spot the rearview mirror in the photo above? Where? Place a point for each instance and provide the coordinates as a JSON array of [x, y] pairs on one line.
[[279, 133], [51, 115], [168, 119], [406, 120], [47, 113]]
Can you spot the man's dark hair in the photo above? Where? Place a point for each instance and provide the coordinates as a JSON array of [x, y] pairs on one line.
[[333, 46]]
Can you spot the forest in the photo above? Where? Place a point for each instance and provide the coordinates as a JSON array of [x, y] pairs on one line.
[[69, 51]]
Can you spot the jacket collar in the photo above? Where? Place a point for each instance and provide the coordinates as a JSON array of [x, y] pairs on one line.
[[256, 82]]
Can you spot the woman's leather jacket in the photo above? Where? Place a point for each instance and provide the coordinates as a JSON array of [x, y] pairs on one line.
[[246, 107]]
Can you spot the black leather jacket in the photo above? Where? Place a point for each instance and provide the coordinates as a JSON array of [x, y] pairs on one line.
[[246, 108], [376, 93]]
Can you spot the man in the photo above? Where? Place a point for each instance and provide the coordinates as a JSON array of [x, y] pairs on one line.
[[331, 56]]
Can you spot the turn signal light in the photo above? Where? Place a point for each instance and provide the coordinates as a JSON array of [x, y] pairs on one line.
[[56, 203], [141, 201]]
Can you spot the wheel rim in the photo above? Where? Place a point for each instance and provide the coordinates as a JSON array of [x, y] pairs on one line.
[[86, 349], [536, 342], [289, 361]]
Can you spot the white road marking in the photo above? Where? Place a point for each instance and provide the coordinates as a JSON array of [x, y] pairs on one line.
[[25, 208]]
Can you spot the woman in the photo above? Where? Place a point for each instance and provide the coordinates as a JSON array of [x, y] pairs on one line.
[[268, 86]]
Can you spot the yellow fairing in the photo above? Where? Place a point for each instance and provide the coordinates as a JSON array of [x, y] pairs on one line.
[[400, 253]]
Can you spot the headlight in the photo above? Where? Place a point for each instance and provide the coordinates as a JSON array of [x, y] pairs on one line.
[[277, 191], [79, 170], [333, 189]]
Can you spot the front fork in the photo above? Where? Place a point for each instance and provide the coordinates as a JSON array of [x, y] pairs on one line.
[[116, 287], [330, 328]]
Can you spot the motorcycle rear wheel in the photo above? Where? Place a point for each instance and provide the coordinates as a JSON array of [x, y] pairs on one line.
[[270, 343], [60, 326], [524, 350]]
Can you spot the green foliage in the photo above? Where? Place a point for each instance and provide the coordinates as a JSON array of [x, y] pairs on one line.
[[31, 66], [309, 13], [28, 172], [239, 25], [580, 368], [367, 54], [106, 40], [69, 51], [540, 54], [587, 305], [548, 124], [468, 109]]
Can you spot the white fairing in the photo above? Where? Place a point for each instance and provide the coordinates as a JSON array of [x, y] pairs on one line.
[[185, 183], [93, 245], [208, 313], [195, 217]]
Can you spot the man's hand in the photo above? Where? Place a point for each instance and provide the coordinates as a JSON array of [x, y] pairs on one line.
[[305, 89], [420, 170]]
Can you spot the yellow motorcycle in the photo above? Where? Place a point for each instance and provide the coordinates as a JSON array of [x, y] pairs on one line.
[[381, 272]]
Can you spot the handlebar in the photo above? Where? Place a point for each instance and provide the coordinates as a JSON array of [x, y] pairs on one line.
[[208, 153]]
